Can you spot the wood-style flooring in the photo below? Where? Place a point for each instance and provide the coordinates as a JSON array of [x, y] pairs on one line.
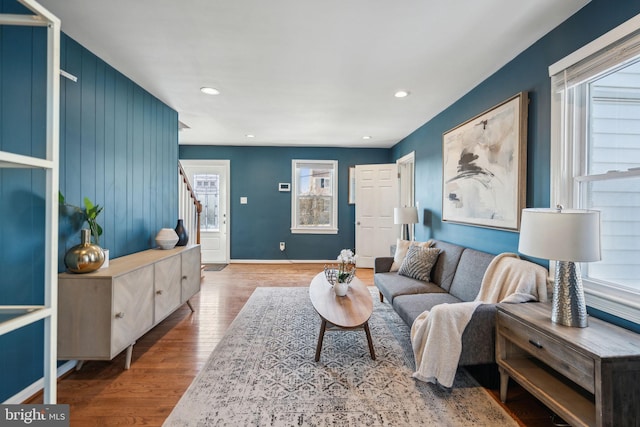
[[167, 358]]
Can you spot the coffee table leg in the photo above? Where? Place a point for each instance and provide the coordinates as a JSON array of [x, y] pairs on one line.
[[323, 327], [366, 329]]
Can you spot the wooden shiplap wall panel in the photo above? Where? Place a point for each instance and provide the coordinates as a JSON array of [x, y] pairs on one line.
[[121, 151]]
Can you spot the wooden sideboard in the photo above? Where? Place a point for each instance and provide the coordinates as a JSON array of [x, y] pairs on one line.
[[104, 312], [588, 376]]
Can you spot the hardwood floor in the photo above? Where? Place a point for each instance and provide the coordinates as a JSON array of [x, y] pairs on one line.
[[167, 358]]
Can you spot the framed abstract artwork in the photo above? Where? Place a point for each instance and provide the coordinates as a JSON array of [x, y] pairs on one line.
[[484, 167]]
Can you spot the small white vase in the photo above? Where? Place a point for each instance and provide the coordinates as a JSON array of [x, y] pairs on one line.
[[341, 288], [166, 238]]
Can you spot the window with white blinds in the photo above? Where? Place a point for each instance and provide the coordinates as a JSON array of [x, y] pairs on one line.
[[595, 159]]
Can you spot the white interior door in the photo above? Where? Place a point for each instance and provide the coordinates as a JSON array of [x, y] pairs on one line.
[[210, 181], [376, 196]]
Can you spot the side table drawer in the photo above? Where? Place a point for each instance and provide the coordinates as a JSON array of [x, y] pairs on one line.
[[569, 362]]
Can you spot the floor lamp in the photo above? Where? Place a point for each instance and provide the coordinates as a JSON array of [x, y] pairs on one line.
[[405, 216], [566, 236]]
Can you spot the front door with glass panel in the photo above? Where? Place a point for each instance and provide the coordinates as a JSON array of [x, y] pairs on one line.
[[209, 180]]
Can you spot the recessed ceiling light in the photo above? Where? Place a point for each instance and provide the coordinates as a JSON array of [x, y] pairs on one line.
[[366, 137], [209, 91], [401, 94], [250, 135]]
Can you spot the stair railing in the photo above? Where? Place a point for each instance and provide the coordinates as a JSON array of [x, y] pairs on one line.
[[190, 207]]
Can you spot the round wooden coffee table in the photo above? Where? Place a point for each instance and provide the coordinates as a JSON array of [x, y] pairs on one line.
[[351, 311]]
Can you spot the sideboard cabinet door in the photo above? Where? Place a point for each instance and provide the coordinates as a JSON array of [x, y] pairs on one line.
[[132, 312], [167, 287], [190, 273]]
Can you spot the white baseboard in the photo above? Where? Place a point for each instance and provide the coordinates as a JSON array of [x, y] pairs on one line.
[[34, 388]]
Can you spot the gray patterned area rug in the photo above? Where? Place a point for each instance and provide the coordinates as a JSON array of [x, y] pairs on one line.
[[263, 373]]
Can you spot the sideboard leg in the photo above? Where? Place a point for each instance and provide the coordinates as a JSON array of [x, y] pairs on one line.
[[190, 306], [79, 364], [127, 362]]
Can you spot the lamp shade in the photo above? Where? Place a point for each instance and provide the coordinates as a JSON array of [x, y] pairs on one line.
[[407, 215], [560, 234]]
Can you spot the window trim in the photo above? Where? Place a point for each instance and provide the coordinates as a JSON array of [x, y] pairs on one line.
[[297, 229], [564, 169]]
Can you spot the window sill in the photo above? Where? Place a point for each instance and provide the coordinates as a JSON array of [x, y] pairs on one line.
[[314, 231], [615, 301]]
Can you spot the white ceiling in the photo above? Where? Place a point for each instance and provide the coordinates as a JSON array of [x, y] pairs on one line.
[[307, 73]]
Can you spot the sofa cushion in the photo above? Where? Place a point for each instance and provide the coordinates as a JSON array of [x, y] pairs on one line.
[[419, 262], [401, 248], [468, 278], [445, 268], [478, 338], [410, 306], [392, 284]]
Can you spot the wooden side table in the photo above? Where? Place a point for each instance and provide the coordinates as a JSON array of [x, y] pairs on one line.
[[588, 376]]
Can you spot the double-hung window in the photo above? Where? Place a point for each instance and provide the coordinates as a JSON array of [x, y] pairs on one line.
[[595, 159], [314, 207]]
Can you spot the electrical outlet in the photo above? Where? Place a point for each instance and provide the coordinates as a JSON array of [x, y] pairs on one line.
[[282, 246]]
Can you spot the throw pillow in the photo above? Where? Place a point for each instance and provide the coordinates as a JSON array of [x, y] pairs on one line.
[[418, 262], [401, 251]]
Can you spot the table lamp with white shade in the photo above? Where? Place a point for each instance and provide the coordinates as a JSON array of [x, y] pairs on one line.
[[567, 236], [405, 216]]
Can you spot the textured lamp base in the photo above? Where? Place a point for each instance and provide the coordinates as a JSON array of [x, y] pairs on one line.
[[568, 305]]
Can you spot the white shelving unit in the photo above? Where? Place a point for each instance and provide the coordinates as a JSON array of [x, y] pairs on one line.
[[16, 317]]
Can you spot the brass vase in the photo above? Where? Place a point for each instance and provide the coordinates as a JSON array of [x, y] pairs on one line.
[[85, 257]]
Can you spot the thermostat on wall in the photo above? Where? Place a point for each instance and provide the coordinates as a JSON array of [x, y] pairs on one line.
[[284, 186]]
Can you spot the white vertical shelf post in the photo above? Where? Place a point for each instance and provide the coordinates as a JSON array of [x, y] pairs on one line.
[[48, 312]]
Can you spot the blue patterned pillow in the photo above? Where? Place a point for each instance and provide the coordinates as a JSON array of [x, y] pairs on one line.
[[418, 262]]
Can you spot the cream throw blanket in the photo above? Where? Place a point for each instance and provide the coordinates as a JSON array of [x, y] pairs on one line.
[[436, 335]]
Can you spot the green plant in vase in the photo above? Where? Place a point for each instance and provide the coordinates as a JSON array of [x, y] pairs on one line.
[[89, 213]]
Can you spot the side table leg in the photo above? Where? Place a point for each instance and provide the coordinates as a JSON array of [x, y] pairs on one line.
[[504, 382], [323, 327], [366, 330]]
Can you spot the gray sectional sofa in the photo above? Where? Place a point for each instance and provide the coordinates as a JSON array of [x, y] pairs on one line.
[[456, 276]]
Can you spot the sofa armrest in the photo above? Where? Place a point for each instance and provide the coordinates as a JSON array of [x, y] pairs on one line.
[[382, 264]]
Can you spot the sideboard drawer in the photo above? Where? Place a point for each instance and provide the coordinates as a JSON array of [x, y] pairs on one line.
[[566, 360]]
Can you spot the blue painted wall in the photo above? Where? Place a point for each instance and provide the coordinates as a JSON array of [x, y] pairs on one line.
[[118, 146], [527, 72], [259, 226]]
